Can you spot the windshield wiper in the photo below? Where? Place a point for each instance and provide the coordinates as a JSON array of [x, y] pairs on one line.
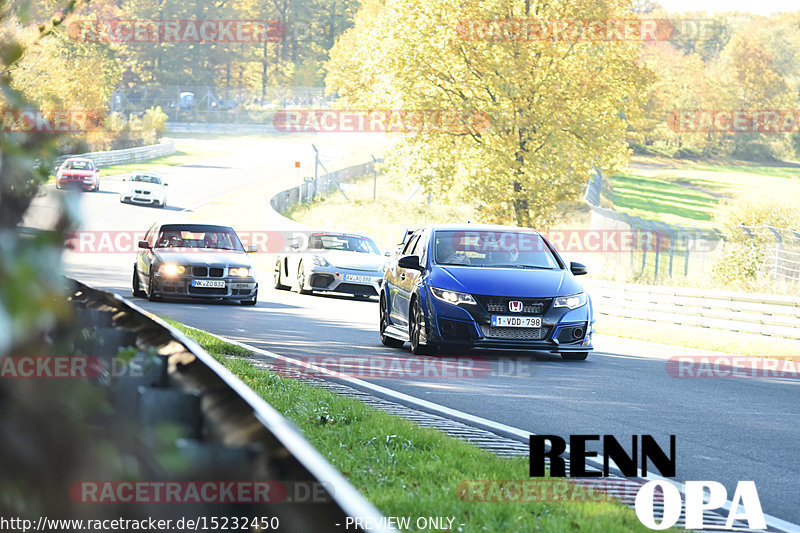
[[532, 267]]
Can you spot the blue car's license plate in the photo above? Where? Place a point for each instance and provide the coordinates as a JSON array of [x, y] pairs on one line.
[[517, 321]]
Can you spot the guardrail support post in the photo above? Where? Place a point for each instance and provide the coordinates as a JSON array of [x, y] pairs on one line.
[[374, 178]]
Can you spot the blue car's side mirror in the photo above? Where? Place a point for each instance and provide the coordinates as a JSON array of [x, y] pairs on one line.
[[578, 269], [410, 261]]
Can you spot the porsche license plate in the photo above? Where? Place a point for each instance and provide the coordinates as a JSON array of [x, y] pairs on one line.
[[208, 283], [517, 321], [362, 279]]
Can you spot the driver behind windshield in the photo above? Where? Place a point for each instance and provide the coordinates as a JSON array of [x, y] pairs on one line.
[[447, 254]]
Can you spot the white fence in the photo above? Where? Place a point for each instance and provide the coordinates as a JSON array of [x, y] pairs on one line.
[[128, 155], [768, 315]]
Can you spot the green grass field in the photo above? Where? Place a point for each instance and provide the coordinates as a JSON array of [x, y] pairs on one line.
[[688, 193], [407, 470]]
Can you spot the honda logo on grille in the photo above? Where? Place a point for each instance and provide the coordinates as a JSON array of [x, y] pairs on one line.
[[515, 306]]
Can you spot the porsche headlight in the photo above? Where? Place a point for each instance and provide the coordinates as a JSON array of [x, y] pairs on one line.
[[321, 261], [452, 297], [171, 269], [241, 272], [571, 302]]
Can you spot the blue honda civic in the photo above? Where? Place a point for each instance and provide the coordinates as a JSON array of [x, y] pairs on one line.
[[479, 286]]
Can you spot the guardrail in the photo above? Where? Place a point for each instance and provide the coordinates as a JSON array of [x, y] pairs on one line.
[[322, 185], [225, 430], [127, 155], [222, 128], [768, 315]]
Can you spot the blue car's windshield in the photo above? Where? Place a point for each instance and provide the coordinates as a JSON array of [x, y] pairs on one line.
[[500, 249]]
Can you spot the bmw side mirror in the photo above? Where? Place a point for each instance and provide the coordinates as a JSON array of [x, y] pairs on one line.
[[411, 262], [252, 249], [144, 244], [578, 269]]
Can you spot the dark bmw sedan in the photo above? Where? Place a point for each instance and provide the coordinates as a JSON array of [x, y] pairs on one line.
[[194, 261], [485, 287]]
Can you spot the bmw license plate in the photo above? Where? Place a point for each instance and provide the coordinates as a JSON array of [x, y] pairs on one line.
[[208, 283], [517, 321], [362, 279]]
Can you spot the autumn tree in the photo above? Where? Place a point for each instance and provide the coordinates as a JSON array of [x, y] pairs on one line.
[[558, 107]]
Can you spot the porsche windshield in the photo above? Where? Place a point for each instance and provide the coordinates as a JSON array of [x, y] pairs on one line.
[[344, 243]]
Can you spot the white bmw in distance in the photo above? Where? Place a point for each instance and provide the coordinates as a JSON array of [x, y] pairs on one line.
[[145, 188]]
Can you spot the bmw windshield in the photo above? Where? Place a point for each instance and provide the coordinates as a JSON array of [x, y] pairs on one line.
[[214, 237], [500, 249]]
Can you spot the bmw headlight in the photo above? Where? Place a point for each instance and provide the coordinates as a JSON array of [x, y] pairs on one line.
[[171, 269], [452, 297], [320, 261], [571, 302], [241, 272]]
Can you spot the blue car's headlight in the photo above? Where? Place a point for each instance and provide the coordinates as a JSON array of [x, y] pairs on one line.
[[571, 302], [320, 261], [452, 297], [241, 272]]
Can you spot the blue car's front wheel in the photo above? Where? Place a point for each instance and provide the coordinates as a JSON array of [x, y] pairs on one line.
[[417, 332]]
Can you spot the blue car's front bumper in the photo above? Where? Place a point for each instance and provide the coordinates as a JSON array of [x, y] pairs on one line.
[[469, 325]]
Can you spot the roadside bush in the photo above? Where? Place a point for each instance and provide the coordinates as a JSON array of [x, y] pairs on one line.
[[742, 262], [757, 212], [739, 264]]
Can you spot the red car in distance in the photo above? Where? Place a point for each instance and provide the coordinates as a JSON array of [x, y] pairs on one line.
[[78, 172]]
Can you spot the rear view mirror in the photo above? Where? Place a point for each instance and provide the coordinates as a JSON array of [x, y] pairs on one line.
[[252, 249], [144, 244], [578, 269]]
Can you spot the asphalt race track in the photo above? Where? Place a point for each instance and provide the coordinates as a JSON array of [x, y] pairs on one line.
[[727, 429]]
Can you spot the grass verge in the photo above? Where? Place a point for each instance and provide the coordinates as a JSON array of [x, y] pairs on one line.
[[406, 470], [185, 152]]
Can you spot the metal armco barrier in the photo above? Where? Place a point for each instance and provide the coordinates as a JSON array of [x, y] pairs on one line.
[[224, 430], [128, 155], [768, 315], [222, 128], [326, 183]]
